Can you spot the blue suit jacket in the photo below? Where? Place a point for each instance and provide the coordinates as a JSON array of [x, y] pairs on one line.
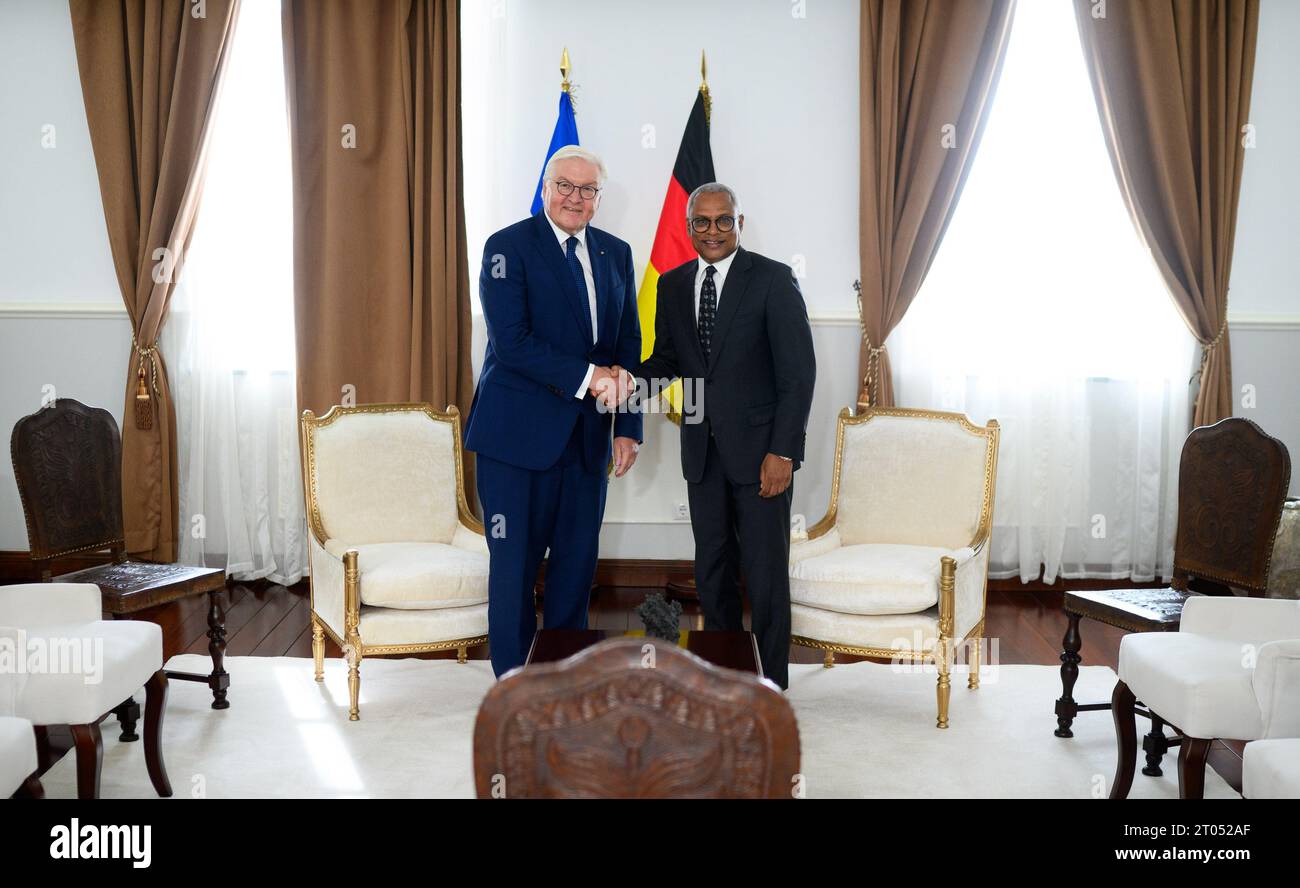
[[539, 346]]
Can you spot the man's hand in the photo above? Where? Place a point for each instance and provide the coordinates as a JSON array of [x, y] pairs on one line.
[[611, 385], [774, 477], [624, 455]]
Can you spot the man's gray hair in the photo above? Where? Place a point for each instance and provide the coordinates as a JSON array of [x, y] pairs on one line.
[[712, 188], [570, 151]]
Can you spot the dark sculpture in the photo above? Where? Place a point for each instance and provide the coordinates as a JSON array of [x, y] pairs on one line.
[[661, 617]]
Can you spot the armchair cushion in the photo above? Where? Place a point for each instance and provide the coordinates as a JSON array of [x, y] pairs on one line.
[[1202, 685], [869, 579], [17, 754], [1270, 769], [418, 576], [89, 669], [913, 632]]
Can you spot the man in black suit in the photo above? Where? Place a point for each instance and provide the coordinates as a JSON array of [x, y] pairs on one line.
[[733, 324]]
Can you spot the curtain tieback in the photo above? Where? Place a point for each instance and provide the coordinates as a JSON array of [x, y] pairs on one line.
[[1207, 348], [143, 402], [870, 382]]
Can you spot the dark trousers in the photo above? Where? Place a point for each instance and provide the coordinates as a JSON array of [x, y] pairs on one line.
[[525, 513], [736, 529]]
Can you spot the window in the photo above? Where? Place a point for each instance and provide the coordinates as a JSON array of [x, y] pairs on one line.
[[1044, 310]]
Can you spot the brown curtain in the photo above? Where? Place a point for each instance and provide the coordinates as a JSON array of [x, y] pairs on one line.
[[381, 285], [928, 72], [1172, 80], [149, 75]]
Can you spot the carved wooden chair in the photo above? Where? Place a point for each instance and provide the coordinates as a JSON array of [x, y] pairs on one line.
[[1232, 483], [67, 460], [635, 718]]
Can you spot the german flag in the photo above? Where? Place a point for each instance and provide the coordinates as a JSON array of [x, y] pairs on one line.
[[672, 245]]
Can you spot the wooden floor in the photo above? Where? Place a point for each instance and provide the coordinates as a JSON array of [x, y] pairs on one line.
[[1024, 626]]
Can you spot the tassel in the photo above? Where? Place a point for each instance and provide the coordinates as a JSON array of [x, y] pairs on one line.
[[143, 403]]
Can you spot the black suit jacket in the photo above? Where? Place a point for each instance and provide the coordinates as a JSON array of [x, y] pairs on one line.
[[757, 384]]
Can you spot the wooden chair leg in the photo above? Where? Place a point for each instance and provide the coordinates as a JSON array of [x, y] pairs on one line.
[[128, 713], [1191, 767], [973, 645], [31, 789], [462, 654], [90, 758], [354, 684], [318, 648], [943, 660], [828, 661], [155, 706], [1066, 707], [1121, 704]]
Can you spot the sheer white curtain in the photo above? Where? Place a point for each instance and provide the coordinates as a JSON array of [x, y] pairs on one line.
[[1044, 311], [230, 331]]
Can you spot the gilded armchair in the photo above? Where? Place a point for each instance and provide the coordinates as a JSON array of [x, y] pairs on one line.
[[898, 567], [399, 564]]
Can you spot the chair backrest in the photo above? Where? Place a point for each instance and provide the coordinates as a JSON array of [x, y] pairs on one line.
[[913, 477], [603, 725], [383, 473], [1232, 484], [67, 461]]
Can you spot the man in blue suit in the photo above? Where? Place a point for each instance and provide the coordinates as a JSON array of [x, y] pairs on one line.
[[559, 298]]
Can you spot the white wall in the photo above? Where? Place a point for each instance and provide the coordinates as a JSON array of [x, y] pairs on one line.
[[62, 323], [1264, 295]]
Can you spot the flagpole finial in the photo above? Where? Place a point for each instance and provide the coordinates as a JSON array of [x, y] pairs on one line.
[[704, 87], [565, 67]]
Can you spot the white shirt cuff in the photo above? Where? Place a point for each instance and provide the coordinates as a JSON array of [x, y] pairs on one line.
[[586, 382]]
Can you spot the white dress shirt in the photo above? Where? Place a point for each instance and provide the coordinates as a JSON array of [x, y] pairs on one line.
[[584, 259], [721, 267]]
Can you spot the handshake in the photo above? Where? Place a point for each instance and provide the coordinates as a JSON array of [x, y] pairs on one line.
[[611, 386]]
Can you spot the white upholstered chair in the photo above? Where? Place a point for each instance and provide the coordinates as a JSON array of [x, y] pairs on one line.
[[898, 567], [1270, 767], [1228, 672], [77, 668], [18, 762], [399, 564]]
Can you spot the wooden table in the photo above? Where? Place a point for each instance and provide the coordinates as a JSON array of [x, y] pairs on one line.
[[130, 587], [731, 650], [1134, 610]]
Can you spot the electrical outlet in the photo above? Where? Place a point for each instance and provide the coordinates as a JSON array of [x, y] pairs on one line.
[[683, 512]]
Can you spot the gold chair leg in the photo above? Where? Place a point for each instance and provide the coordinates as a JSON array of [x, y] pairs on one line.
[[974, 647], [318, 648], [354, 684], [829, 661], [462, 654], [942, 660]]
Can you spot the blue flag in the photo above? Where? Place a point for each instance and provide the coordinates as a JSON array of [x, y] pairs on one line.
[[566, 133]]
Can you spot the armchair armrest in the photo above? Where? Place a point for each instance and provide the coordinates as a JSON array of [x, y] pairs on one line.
[[469, 538], [40, 604], [327, 587], [1248, 620], [1277, 687], [811, 548], [970, 575]]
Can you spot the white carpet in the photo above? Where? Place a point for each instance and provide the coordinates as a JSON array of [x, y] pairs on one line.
[[866, 732]]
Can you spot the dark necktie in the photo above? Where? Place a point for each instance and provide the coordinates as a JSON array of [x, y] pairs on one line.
[[579, 277], [708, 310]]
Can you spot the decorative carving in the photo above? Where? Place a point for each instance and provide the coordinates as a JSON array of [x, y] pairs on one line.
[[1233, 480], [603, 724], [66, 460]]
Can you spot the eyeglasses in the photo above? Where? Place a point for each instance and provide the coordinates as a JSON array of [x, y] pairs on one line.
[[588, 192], [700, 224]]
